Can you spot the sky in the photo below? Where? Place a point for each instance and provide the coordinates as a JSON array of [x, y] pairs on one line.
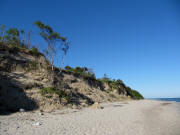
[[137, 41]]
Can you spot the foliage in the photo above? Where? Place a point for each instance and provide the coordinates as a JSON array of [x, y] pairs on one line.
[[134, 94], [51, 90], [114, 84], [82, 71], [12, 36], [65, 49], [105, 80], [67, 68], [34, 51], [52, 38], [19, 38], [23, 37]]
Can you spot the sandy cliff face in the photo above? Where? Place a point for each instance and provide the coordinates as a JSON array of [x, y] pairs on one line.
[[22, 76]]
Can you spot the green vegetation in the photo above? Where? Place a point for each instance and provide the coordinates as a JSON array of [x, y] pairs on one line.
[[114, 84], [67, 67], [49, 90], [134, 94], [84, 72], [53, 39], [14, 37], [19, 39], [34, 51]]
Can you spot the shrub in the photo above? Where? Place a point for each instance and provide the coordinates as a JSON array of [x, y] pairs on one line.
[[82, 72], [12, 36], [34, 51], [113, 84], [78, 69], [118, 81], [134, 94], [105, 80], [51, 90], [68, 68]]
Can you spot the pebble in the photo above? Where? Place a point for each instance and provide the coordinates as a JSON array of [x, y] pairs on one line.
[[41, 113], [22, 110], [37, 124]]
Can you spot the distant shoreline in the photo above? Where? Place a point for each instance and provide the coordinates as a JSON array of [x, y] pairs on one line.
[[166, 99]]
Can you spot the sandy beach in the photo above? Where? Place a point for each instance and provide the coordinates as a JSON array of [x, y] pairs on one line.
[[144, 117]]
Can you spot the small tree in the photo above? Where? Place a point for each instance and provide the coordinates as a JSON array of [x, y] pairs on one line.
[[12, 36], [51, 38], [28, 42], [23, 37], [118, 81], [91, 72], [85, 69], [105, 77], [68, 68], [34, 51], [65, 50]]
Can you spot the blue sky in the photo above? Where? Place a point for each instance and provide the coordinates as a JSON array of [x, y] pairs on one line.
[[137, 41]]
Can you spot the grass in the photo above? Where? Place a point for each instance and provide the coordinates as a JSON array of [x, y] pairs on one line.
[[51, 90], [32, 65]]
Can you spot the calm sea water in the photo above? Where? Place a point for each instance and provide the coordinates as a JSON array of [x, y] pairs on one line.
[[168, 99]]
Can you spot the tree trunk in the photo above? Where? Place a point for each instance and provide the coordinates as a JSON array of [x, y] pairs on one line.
[[29, 39], [62, 63], [51, 55]]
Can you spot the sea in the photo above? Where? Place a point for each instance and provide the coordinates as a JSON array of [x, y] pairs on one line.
[[167, 99]]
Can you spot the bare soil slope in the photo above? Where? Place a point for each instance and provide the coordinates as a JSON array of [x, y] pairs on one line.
[[23, 75]]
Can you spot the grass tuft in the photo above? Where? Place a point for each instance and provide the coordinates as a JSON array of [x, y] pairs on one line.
[[51, 90]]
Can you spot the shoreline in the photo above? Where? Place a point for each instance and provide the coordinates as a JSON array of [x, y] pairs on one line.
[[143, 117], [165, 99]]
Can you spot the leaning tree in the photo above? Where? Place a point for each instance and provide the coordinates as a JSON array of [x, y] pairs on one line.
[[53, 39]]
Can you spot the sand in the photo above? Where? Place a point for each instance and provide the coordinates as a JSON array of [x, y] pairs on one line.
[[145, 117]]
